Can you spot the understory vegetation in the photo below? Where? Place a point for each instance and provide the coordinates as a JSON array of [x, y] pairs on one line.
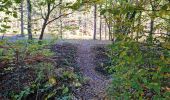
[[141, 70], [140, 52], [30, 71]]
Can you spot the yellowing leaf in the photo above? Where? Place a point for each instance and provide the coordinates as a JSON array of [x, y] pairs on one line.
[[162, 57], [52, 81], [166, 45]]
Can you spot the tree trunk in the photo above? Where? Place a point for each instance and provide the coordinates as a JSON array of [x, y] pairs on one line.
[[43, 29], [29, 20], [105, 30], [85, 25], [61, 25], [139, 23], [22, 18], [151, 24], [100, 27], [151, 30], [109, 27], [45, 22], [95, 19]]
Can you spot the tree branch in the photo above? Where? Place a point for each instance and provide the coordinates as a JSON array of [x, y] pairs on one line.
[[58, 18], [42, 13], [54, 6]]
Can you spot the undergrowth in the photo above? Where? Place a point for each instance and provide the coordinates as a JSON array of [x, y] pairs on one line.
[[29, 71], [140, 70]]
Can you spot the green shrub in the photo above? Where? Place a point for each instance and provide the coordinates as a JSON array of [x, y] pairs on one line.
[[141, 70]]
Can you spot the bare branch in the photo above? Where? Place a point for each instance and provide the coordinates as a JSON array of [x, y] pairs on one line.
[[58, 18], [54, 6], [49, 10], [42, 13]]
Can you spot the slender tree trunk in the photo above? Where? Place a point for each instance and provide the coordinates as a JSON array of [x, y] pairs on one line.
[[29, 20], [105, 30], [151, 24], [100, 27], [95, 19], [85, 26], [108, 24], [139, 23], [43, 29], [110, 20], [45, 22], [61, 24], [151, 30], [109, 27], [22, 18]]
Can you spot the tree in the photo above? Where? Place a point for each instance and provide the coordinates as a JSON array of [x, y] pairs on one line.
[[22, 17], [100, 29], [29, 29], [95, 19], [108, 17], [45, 19], [105, 30], [51, 6], [61, 25]]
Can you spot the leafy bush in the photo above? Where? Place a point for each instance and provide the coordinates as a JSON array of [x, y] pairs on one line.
[[141, 70]]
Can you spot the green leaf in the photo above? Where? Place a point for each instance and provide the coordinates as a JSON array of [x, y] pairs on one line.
[[155, 86], [65, 90], [50, 95], [165, 7], [15, 15], [18, 1], [5, 26]]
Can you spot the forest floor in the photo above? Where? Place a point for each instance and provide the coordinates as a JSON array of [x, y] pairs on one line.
[[97, 83], [83, 56]]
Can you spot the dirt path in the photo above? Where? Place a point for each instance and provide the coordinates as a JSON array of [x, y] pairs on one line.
[[97, 83]]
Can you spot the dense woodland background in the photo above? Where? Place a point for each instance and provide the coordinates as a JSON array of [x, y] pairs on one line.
[[35, 66]]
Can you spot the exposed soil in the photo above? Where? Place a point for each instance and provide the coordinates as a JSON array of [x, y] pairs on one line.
[[15, 80], [101, 59], [95, 89], [65, 55]]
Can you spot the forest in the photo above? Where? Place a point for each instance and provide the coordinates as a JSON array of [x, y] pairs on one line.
[[84, 49]]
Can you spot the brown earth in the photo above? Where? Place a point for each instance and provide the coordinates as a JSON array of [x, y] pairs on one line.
[[95, 89]]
